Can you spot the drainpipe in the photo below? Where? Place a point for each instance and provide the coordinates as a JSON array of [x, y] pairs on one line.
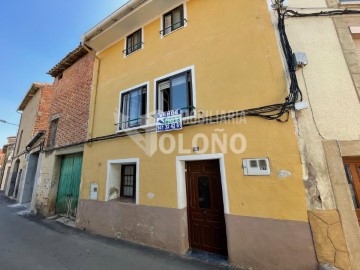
[[94, 89]]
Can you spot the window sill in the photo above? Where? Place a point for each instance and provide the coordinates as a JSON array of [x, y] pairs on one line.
[[177, 29], [135, 128], [124, 200], [127, 55], [152, 126]]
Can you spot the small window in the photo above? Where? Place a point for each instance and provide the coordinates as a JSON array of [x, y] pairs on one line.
[[128, 182], [60, 76], [133, 42], [173, 20], [176, 93], [52, 133], [133, 108]]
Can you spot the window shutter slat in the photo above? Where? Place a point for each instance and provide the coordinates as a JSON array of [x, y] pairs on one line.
[[167, 24], [176, 18], [164, 85]]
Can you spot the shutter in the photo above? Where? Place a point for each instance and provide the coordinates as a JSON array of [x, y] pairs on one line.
[[167, 24], [179, 80], [177, 18], [137, 40], [164, 85], [129, 45]]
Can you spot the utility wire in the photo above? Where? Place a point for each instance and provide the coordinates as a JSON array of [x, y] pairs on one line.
[[269, 112], [6, 122]]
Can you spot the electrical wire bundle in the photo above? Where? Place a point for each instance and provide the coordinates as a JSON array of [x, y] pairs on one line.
[[292, 13], [269, 112]]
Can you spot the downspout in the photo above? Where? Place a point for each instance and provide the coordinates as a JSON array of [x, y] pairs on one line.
[[94, 89]]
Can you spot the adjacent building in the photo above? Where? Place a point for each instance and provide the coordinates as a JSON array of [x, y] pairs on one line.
[[34, 110], [8, 151], [2, 159], [328, 130], [57, 188], [214, 181]]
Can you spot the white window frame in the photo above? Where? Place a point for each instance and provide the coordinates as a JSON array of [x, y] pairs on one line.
[[162, 20], [147, 84], [128, 161], [193, 87], [126, 39]]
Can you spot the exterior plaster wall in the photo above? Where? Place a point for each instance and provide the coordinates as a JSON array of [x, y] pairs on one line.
[[8, 150], [267, 196], [334, 111], [47, 178], [330, 86], [6, 175], [2, 161], [227, 77], [34, 119], [25, 134]]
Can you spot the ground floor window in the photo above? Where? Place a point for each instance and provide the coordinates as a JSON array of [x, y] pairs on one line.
[[128, 181]]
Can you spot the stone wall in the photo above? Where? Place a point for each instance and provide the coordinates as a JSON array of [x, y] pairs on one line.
[[329, 240]]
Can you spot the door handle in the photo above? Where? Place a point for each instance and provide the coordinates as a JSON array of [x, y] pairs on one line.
[[204, 212]]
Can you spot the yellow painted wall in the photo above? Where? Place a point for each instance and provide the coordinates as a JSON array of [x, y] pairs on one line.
[[237, 66]]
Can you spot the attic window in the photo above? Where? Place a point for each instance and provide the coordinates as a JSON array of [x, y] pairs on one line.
[[60, 76]]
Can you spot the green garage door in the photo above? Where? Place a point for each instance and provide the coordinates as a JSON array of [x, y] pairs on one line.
[[69, 185]]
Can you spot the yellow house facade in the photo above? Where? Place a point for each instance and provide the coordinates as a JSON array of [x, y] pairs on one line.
[[224, 182]]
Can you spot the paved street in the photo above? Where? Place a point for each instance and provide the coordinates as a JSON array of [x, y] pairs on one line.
[[31, 243]]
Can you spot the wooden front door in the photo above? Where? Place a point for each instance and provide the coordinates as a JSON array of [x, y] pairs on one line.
[[69, 185], [206, 218], [352, 169]]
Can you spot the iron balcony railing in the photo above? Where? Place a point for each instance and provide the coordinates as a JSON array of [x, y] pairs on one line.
[[131, 49], [172, 27]]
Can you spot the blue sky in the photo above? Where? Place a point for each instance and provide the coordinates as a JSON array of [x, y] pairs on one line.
[[34, 36]]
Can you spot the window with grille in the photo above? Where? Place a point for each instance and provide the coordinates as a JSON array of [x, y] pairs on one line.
[[134, 42], [128, 181], [173, 20]]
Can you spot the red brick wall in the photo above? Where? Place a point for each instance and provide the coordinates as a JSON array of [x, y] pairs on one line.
[[42, 117], [71, 101]]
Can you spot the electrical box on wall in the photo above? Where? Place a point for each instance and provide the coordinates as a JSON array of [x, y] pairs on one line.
[[93, 191], [299, 59], [256, 166]]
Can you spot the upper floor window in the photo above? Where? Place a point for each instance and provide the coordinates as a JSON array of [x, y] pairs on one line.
[[133, 108], [176, 92], [173, 20], [133, 42]]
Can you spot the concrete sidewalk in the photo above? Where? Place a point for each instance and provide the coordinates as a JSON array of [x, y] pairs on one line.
[[28, 242]]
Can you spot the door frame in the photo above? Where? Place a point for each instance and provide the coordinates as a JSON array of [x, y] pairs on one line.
[[334, 152], [181, 184]]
